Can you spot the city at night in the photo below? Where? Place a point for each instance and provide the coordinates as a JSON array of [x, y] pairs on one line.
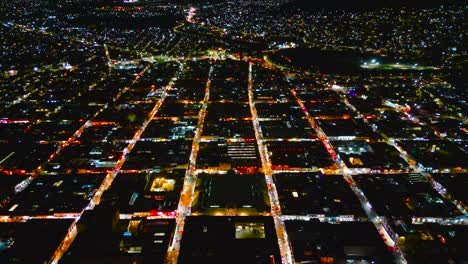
[[233, 131]]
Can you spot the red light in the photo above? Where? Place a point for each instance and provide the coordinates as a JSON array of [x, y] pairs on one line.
[[153, 212]]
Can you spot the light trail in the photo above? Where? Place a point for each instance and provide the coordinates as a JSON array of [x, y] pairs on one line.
[[25, 218], [283, 241], [146, 46], [108, 58], [36, 172], [323, 218], [415, 166], [24, 96], [139, 43], [188, 189], [191, 14], [7, 157], [388, 235], [25, 183], [191, 172], [72, 231]]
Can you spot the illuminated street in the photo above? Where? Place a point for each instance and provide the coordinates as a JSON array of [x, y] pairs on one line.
[[186, 196], [110, 177], [383, 229], [283, 241], [272, 131]]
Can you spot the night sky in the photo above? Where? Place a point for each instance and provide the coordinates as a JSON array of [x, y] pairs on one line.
[[368, 4]]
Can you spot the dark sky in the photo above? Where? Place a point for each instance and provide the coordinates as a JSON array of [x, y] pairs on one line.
[[366, 4]]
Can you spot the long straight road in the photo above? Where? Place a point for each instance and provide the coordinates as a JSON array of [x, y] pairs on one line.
[[188, 189], [384, 230], [72, 231], [419, 168], [22, 185], [283, 241]]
